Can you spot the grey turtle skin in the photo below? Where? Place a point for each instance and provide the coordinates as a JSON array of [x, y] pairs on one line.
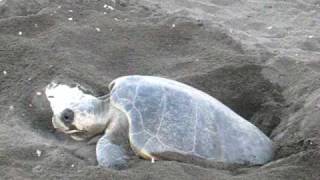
[[157, 118]]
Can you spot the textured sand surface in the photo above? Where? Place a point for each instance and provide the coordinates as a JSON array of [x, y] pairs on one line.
[[261, 58]]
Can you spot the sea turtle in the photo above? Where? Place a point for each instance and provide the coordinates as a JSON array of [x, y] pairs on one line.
[[157, 118]]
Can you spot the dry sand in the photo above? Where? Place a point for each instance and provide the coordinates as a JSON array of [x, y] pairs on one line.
[[259, 57]]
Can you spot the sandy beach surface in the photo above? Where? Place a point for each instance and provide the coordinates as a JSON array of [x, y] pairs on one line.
[[259, 57]]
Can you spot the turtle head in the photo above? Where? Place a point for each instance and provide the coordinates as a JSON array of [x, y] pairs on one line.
[[76, 113]]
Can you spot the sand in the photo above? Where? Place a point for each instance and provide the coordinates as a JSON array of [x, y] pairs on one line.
[[261, 58]]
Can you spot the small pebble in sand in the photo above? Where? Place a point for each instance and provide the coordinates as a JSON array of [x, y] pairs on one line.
[[5, 73], [104, 12], [70, 19], [173, 25], [98, 29], [36, 25], [108, 7], [72, 165], [20, 33], [59, 7], [310, 36], [270, 27], [30, 105], [37, 169], [70, 10], [197, 60], [116, 19], [11, 107], [38, 152], [39, 93]]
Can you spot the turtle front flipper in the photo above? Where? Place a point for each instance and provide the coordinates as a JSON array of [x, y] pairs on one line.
[[113, 148], [110, 155]]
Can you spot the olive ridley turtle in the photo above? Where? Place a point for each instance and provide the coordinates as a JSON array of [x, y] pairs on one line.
[[157, 118]]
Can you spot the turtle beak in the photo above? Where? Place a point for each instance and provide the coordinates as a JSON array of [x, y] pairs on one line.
[[59, 126], [74, 131], [54, 123]]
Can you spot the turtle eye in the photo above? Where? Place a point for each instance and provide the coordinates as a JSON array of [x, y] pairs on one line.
[[67, 116]]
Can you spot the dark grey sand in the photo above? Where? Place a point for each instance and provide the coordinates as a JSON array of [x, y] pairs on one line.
[[259, 57]]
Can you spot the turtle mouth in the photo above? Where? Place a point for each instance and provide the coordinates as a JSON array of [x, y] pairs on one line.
[[75, 132], [78, 135]]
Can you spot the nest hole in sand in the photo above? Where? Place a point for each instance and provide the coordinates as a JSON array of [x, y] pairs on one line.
[[244, 90]]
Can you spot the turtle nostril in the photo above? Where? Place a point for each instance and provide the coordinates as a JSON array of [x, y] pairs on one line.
[[67, 116]]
